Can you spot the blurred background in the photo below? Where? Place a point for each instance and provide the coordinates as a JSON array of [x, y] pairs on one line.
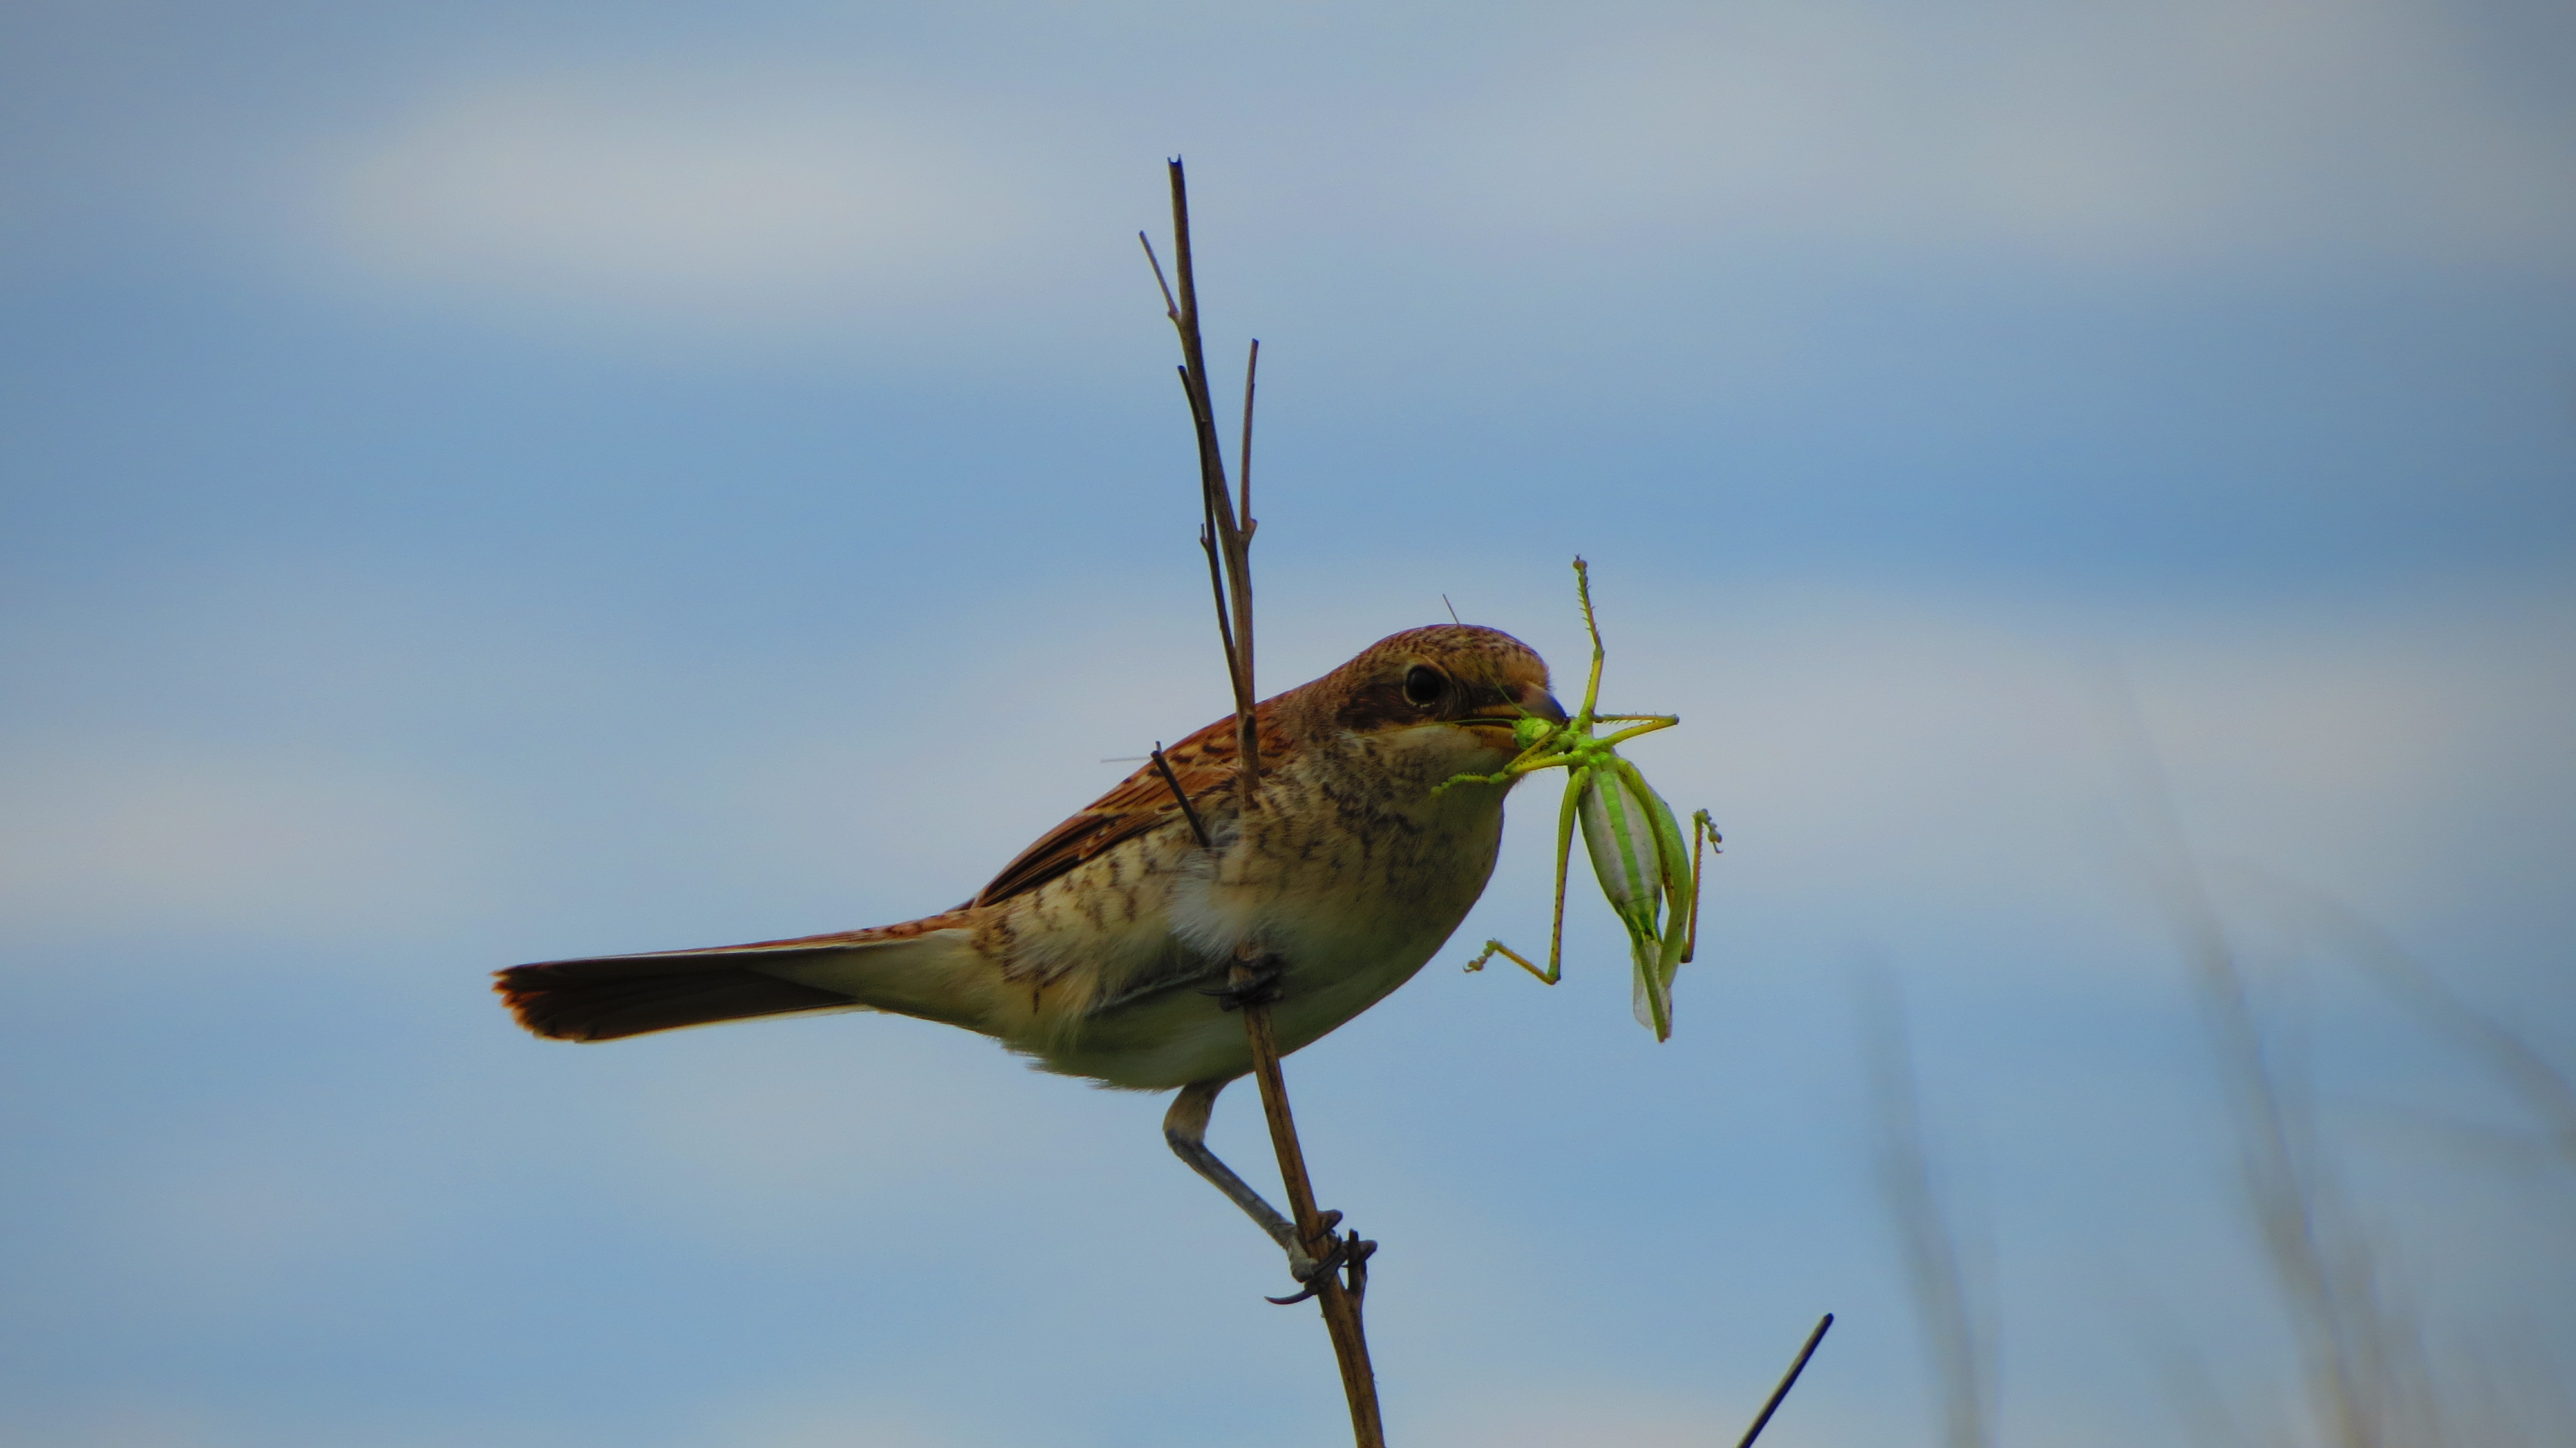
[[493, 482]]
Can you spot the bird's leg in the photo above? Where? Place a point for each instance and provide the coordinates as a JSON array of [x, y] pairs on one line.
[[1185, 1127]]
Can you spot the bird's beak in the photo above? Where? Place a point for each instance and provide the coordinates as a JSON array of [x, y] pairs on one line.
[[1505, 714]]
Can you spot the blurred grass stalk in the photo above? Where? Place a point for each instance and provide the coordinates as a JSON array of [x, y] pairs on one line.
[[2362, 1355], [2541, 1087], [1953, 1311], [2369, 1379]]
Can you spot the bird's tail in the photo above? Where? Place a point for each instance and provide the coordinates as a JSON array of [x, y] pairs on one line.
[[922, 968]]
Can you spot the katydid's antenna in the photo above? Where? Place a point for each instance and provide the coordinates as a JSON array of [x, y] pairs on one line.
[[1453, 609]]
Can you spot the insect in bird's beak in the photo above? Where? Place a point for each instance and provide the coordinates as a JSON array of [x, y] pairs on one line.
[[1649, 871], [1511, 714]]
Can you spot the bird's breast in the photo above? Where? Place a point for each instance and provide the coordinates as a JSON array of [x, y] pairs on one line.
[[1348, 871], [1349, 865]]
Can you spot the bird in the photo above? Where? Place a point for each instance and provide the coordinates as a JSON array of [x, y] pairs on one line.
[[1103, 950]]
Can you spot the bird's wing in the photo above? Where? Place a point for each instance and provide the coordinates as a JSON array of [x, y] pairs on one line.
[[1203, 763]]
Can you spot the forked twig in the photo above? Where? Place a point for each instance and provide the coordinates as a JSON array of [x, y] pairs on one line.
[[1224, 533], [1226, 536]]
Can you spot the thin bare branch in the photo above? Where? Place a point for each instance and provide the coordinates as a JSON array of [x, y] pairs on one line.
[[1339, 1301], [1171, 309], [1787, 1381], [1236, 678], [1232, 539], [1226, 537], [1243, 453], [1180, 795], [1216, 585]]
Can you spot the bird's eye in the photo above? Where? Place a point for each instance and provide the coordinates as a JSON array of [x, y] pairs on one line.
[[1424, 686]]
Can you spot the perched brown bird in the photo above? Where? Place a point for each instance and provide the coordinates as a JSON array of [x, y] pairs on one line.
[[1103, 950]]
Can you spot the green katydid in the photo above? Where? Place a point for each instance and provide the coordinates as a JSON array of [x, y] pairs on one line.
[[1635, 843]]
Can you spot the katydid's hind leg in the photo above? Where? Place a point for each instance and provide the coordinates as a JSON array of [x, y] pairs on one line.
[[1496, 947], [1185, 1128], [1703, 832]]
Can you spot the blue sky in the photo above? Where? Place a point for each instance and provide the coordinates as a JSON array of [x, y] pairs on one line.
[[486, 483]]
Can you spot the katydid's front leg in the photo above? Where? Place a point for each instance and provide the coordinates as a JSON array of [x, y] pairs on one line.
[[1575, 780], [1556, 936]]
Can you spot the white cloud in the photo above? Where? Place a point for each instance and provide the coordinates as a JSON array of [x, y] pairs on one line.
[[2119, 133], [763, 190], [717, 195], [2400, 755]]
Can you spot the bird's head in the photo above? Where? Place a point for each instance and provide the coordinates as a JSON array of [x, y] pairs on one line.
[[1472, 684]]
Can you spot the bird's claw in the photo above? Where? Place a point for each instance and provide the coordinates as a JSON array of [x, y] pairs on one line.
[[1349, 1253], [1261, 988]]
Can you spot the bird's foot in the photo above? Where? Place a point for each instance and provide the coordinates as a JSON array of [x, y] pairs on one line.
[[1258, 985], [1349, 1254]]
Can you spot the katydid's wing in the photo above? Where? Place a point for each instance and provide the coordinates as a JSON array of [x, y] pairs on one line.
[[1619, 835], [1622, 833], [1674, 854], [1204, 764], [1650, 991]]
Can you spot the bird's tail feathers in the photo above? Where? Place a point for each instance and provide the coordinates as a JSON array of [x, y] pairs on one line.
[[906, 970]]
